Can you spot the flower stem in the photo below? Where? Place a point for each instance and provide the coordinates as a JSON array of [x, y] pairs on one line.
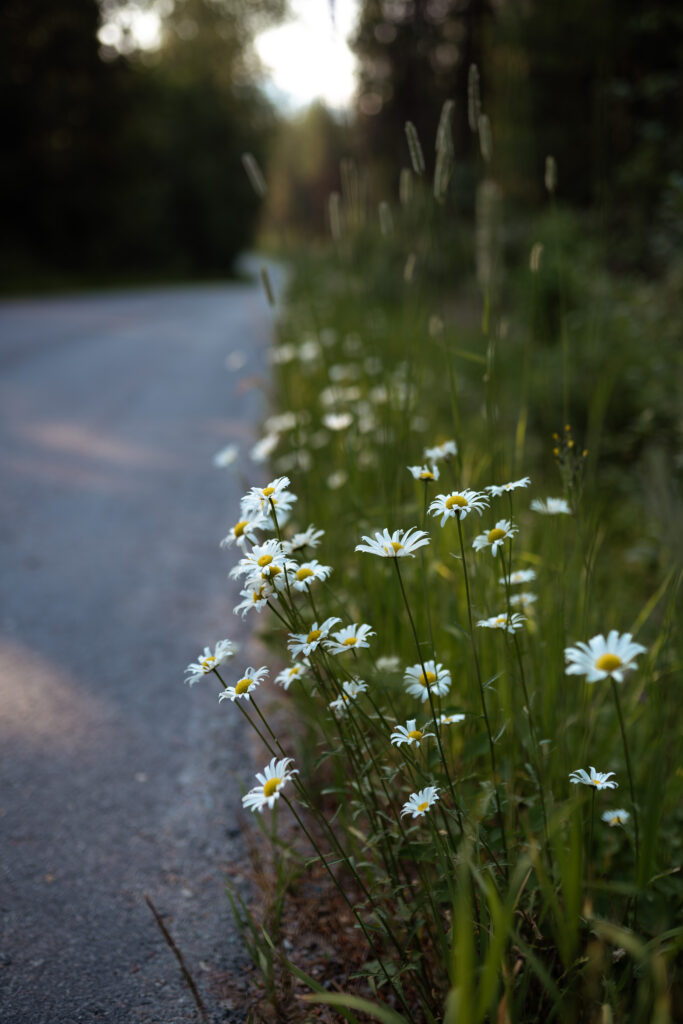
[[629, 771]]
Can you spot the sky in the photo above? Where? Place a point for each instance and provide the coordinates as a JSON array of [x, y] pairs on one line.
[[308, 57], [305, 58]]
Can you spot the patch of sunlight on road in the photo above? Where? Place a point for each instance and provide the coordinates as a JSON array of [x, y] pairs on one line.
[[42, 706], [73, 439]]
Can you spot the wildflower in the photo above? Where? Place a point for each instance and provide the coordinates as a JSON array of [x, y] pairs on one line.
[[305, 643], [272, 779], [250, 680], [288, 675], [265, 560], [495, 537], [349, 638], [226, 456], [350, 691], [451, 719], [441, 451], [618, 817], [388, 663], [601, 657], [308, 538], [244, 531], [337, 479], [337, 420], [551, 507], [410, 734], [301, 577], [458, 503], [399, 544], [254, 597], [281, 422], [434, 677], [420, 802], [601, 780], [509, 623], [523, 600], [425, 473], [274, 495], [496, 490], [264, 448], [520, 576], [208, 661]]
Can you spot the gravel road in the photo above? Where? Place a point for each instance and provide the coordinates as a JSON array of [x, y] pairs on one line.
[[117, 779]]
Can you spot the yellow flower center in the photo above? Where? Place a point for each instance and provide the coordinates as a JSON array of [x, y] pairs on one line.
[[426, 475], [427, 678], [423, 806], [238, 528], [315, 634], [456, 499], [271, 786], [415, 734], [294, 671], [243, 685], [303, 574], [350, 641], [208, 663], [267, 491], [396, 545], [273, 571], [608, 662], [265, 560], [495, 534]]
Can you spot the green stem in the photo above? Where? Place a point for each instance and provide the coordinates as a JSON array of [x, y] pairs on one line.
[[629, 771]]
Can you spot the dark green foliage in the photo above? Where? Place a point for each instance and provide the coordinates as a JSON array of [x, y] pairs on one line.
[[121, 165]]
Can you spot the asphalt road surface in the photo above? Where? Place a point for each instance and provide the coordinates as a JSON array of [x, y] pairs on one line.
[[116, 778]]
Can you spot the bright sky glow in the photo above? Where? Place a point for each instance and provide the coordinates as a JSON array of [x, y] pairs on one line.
[[305, 58], [308, 57]]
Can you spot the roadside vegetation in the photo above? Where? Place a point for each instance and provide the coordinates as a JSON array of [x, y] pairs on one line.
[[465, 561]]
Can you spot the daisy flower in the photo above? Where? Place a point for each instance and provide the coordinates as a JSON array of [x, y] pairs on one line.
[[249, 681], [301, 576], [271, 780], [349, 638], [388, 663], [434, 677], [420, 802], [551, 507], [308, 538], [618, 817], [425, 473], [244, 530], [337, 420], [399, 544], [264, 448], [451, 719], [208, 661], [226, 456], [409, 733], [601, 780], [441, 451], [600, 657], [458, 503], [260, 499], [265, 560], [495, 537], [520, 576], [254, 597], [496, 490], [305, 643], [523, 600], [350, 691], [510, 624], [288, 675]]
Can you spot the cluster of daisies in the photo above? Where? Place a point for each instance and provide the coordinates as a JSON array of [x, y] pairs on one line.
[[273, 569]]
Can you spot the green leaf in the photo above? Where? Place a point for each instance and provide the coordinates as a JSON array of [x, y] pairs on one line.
[[380, 1013]]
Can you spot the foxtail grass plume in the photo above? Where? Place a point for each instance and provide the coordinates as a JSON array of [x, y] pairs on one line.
[[416, 155]]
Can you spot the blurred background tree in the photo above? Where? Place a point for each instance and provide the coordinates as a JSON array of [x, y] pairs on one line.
[[123, 161]]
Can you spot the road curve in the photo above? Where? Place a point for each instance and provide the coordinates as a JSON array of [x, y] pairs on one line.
[[116, 778]]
